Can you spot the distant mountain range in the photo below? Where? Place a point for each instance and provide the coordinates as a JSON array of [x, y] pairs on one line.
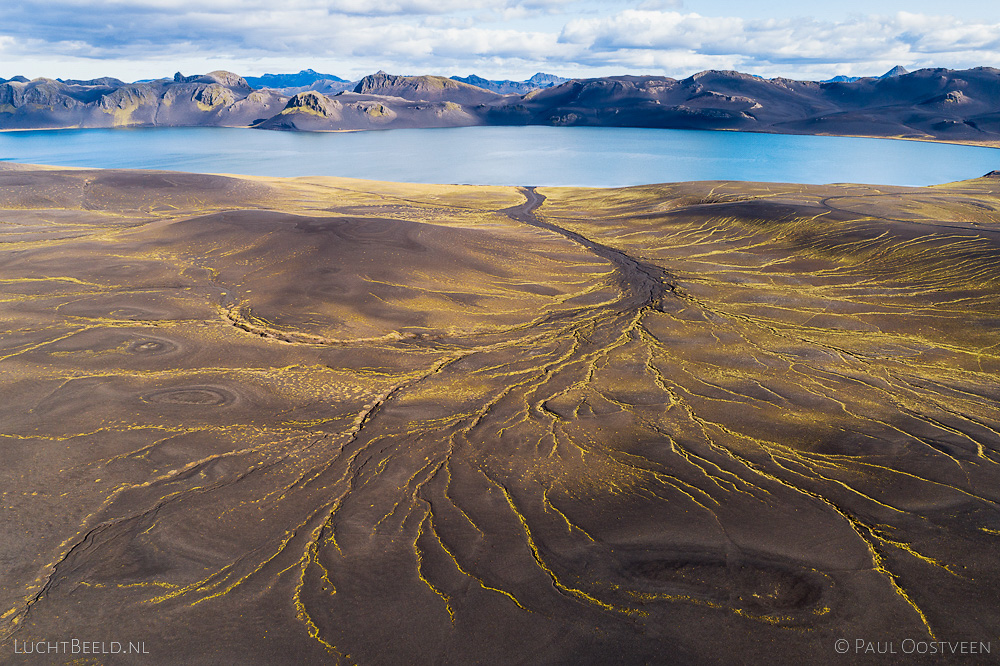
[[961, 105], [537, 81], [309, 79], [898, 70], [304, 78]]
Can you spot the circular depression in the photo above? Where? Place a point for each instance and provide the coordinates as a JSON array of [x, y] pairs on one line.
[[208, 396], [151, 347]]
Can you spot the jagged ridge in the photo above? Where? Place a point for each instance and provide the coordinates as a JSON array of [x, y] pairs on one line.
[[962, 105]]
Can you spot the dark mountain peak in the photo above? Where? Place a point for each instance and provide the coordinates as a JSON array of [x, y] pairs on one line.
[[106, 81], [229, 79], [898, 70], [543, 80], [426, 88], [219, 76], [378, 80], [474, 80], [721, 74], [313, 102]]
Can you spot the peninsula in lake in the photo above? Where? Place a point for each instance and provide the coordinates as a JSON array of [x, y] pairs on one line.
[[934, 104], [320, 420]]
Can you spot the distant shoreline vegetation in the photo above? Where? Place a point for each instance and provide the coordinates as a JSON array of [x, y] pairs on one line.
[[961, 106]]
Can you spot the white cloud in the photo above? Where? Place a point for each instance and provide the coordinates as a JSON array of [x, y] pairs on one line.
[[901, 38], [505, 38], [234, 7], [661, 4]]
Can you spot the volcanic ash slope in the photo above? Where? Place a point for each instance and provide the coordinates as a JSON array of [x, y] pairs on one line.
[[269, 421]]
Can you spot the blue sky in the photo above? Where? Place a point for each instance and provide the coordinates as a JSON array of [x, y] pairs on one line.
[[133, 39]]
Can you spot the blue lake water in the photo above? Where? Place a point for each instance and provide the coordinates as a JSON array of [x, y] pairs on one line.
[[583, 156]]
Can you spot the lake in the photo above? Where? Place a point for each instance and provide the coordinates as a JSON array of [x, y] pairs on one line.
[[582, 156]]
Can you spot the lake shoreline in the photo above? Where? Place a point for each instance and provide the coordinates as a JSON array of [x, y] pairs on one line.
[[929, 139], [511, 155]]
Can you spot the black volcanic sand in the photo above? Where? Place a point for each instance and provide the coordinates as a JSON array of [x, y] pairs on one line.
[[280, 421]]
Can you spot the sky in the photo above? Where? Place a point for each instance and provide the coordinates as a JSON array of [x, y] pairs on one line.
[[501, 39]]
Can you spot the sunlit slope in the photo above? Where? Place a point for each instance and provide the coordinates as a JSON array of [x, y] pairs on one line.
[[269, 421], [891, 295]]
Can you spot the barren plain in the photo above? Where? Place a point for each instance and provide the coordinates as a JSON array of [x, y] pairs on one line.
[[288, 421]]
